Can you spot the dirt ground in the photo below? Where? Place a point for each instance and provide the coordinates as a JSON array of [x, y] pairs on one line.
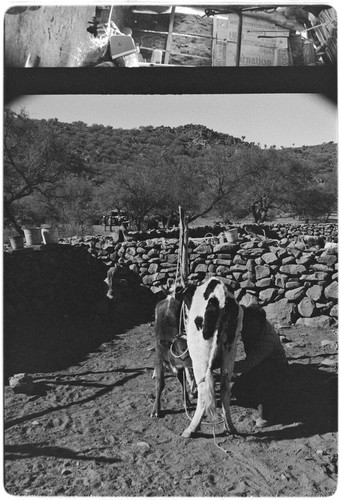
[[52, 36], [87, 429]]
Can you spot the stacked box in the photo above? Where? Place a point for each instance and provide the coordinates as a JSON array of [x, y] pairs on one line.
[[263, 43]]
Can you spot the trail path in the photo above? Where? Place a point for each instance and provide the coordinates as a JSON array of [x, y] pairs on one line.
[[88, 430]]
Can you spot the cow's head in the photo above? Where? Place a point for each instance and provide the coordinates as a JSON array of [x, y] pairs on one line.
[[254, 326]]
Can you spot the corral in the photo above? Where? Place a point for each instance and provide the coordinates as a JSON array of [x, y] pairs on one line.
[[85, 426]]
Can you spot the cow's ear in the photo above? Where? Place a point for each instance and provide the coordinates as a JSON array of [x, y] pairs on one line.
[[187, 294]]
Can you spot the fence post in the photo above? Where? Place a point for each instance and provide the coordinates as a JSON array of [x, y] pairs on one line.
[[183, 246]]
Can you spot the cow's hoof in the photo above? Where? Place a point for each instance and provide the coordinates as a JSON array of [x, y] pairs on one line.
[[186, 434]]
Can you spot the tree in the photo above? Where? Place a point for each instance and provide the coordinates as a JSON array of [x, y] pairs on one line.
[[270, 180], [314, 202], [34, 163], [139, 187]]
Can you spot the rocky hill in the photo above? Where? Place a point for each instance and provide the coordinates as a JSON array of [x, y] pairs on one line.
[[98, 142]]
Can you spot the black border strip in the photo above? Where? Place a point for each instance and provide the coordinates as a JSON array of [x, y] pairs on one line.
[[206, 80]]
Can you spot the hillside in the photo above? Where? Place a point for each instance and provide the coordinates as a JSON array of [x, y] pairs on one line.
[[104, 143], [321, 158]]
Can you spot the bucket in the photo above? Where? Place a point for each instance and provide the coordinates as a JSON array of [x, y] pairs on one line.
[[49, 235], [16, 242], [32, 236], [231, 235]]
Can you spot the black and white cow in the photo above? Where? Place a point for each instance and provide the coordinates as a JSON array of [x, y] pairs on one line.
[[213, 328], [171, 350]]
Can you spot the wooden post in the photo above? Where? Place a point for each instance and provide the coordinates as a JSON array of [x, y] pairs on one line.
[[239, 38], [184, 270], [169, 36], [183, 247]]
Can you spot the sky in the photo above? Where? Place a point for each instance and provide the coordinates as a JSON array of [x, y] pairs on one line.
[[268, 119]]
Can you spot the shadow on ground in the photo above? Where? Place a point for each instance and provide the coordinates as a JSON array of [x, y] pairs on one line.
[[45, 345], [308, 405], [30, 450]]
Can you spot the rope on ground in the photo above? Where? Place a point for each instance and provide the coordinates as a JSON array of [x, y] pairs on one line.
[[215, 441]]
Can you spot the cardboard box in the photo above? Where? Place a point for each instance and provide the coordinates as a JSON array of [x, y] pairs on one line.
[[263, 43]]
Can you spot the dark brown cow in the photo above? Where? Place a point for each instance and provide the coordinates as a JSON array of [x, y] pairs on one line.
[[171, 350]]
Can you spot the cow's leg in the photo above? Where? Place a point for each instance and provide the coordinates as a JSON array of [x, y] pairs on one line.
[[191, 381], [225, 386], [199, 412], [199, 370], [159, 385], [261, 421], [181, 377]]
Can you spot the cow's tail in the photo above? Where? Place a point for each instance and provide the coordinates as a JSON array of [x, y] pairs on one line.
[[210, 402], [211, 318], [210, 399]]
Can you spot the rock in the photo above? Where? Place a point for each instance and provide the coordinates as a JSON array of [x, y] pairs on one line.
[[250, 265], [322, 267], [281, 313], [280, 280], [224, 256], [201, 268], [296, 294], [131, 251], [239, 268], [334, 312], [220, 270], [153, 252], [269, 258], [247, 245], [247, 284], [148, 279], [248, 300], [295, 251], [251, 252], [316, 276], [134, 268], [222, 262], [315, 292], [21, 383], [264, 283], [225, 248], [288, 260], [306, 307], [328, 257], [290, 285], [292, 269], [212, 269], [267, 295], [331, 291], [153, 268], [172, 258], [142, 447], [238, 259], [305, 259], [203, 248], [262, 272], [315, 322]]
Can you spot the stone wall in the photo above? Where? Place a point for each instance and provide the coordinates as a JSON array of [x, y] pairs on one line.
[[327, 231], [294, 281], [293, 277]]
